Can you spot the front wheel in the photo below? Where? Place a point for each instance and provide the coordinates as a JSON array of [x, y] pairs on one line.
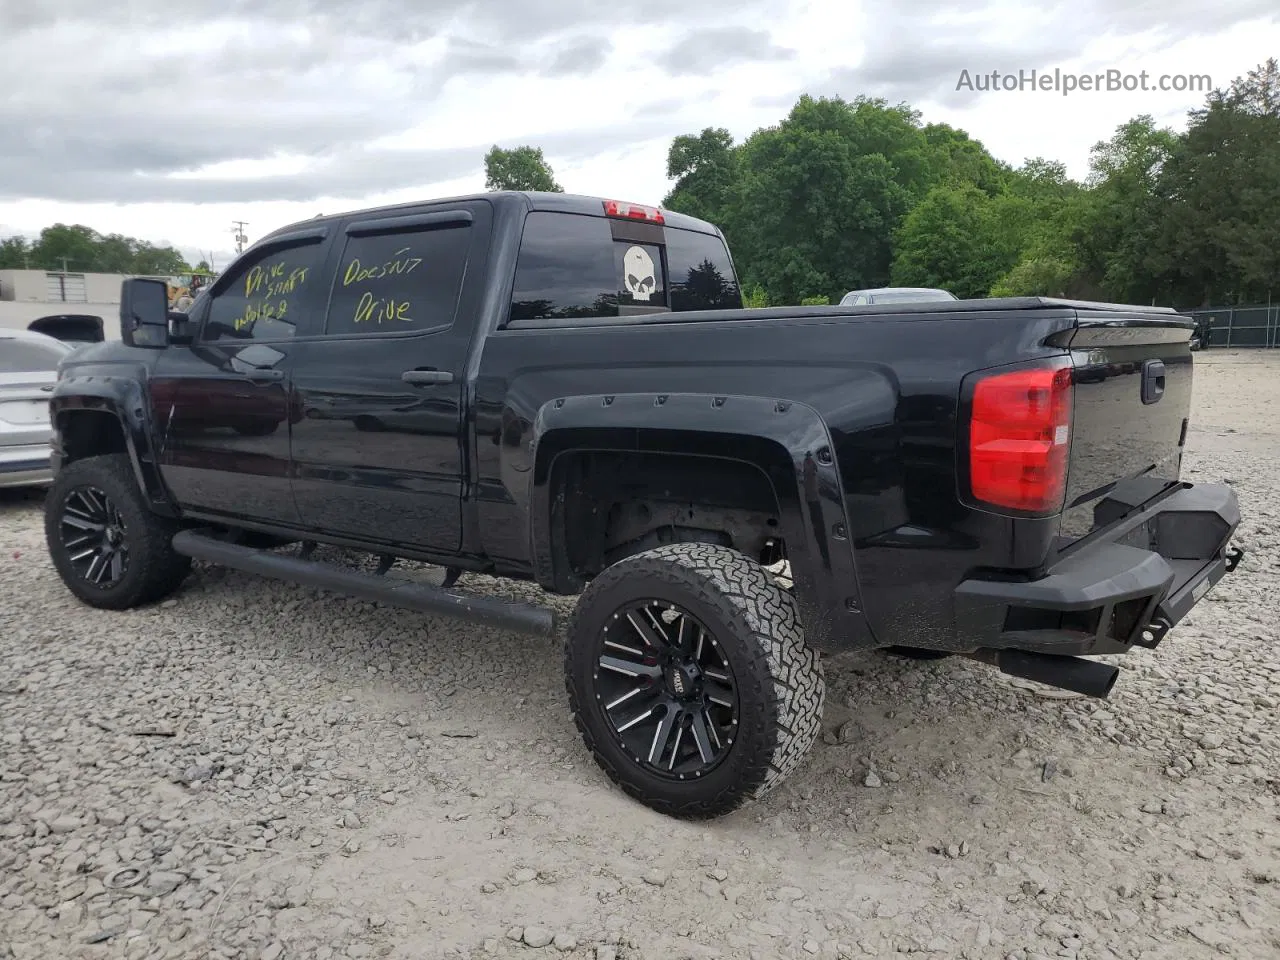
[[690, 681], [108, 547]]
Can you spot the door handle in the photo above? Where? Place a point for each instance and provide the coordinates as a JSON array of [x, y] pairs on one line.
[[422, 377], [265, 374], [1152, 381]]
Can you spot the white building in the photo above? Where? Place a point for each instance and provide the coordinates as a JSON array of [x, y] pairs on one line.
[[27, 295]]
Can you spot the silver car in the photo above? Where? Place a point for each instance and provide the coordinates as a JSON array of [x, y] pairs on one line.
[[895, 295], [28, 371]]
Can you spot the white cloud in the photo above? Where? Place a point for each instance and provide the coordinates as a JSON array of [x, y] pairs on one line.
[[187, 114]]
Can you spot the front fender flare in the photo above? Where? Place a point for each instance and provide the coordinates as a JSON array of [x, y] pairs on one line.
[[788, 441], [124, 398]]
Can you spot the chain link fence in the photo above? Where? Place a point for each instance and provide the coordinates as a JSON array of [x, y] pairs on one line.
[[1257, 326]]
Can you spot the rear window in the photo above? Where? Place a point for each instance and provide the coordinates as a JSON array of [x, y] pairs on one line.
[[572, 266], [701, 276], [26, 356]]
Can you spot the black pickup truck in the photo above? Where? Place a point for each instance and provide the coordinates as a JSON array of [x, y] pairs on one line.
[[567, 390]]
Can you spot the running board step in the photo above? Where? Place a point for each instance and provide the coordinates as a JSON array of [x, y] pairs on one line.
[[395, 592]]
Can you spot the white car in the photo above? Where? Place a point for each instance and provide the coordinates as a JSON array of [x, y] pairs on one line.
[[895, 295], [28, 371]]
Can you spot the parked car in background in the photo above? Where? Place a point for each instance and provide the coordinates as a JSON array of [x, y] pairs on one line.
[[894, 295], [72, 328], [28, 371]]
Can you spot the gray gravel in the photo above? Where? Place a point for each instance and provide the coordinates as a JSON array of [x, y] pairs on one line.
[[260, 771]]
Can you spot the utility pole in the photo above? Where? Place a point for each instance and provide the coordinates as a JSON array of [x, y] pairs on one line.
[[238, 230]]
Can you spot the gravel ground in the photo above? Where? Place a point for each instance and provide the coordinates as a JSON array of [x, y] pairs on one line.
[[261, 771]]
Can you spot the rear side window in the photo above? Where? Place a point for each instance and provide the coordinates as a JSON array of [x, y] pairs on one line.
[[23, 356], [702, 277], [397, 282], [572, 266]]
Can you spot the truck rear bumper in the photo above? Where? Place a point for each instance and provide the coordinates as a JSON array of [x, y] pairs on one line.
[[1130, 586]]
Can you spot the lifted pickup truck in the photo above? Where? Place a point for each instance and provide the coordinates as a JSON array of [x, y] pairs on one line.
[[567, 390]]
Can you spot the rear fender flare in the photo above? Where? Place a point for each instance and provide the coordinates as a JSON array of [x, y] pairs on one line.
[[125, 399], [788, 441]]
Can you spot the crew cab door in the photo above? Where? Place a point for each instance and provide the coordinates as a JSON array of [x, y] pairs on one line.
[[223, 406], [379, 452]]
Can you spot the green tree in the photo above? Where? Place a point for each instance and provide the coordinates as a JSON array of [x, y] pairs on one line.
[[80, 249], [847, 194], [1042, 181], [158, 261], [1036, 277], [821, 194], [958, 239], [1038, 212], [73, 247], [15, 253], [1218, 235], [705, 169], [520, 168], [1114, 227], [959, 159]]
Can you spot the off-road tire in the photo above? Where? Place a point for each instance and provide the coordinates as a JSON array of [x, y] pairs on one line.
[[154, 568], [779, 679]]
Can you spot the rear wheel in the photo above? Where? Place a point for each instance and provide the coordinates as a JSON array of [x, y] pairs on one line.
[[108, 547], [690, 681]]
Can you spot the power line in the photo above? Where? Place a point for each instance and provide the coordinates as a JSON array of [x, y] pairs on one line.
[[238, 230]]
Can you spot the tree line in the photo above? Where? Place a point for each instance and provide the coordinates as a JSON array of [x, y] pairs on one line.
[[76, 248], [844, 195]]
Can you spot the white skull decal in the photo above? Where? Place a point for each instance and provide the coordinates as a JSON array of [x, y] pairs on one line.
[[638, 273]]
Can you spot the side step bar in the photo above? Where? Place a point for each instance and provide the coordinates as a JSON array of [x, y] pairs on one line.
[[502, 614]]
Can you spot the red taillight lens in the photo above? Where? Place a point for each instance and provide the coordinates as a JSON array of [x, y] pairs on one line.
[[1019, 439]]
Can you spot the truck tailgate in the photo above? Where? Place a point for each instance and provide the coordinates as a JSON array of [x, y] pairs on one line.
[[1132, 401]]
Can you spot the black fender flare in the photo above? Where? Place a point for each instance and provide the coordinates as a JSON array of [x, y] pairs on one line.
[[786, 440], [124, 398]]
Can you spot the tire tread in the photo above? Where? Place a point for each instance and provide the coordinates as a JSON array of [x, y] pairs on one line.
[[741, 590]]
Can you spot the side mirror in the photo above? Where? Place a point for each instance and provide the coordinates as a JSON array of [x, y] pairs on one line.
[[144, 313]]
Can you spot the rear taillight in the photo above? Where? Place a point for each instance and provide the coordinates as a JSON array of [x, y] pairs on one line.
[[1019, 438]]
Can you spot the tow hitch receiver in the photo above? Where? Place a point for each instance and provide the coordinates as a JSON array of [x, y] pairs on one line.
[[1233, 557]]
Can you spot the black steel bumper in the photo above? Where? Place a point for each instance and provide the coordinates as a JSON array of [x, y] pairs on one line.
[[1130, 586]]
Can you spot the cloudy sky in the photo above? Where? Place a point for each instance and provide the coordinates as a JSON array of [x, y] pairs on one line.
[[168, 119]]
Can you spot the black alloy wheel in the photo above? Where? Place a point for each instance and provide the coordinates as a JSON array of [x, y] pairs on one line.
[[667, 689], [109, 547], [94, 536], [689, 679]]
